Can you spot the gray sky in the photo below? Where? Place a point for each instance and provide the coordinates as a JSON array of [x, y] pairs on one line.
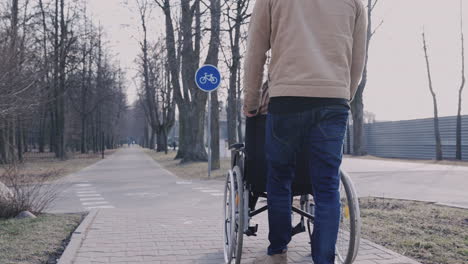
[[398, 86]]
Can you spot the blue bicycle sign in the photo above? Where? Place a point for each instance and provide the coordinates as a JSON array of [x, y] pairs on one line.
[[208, 78]]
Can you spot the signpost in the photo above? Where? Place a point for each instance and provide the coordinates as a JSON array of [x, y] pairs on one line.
[[208, 79]]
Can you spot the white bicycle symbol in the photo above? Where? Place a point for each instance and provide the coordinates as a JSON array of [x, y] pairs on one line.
[[208, 78]]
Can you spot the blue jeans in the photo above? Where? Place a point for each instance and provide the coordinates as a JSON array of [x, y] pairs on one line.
[[318, 134]]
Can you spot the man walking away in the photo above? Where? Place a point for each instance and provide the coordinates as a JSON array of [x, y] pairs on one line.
[[317, 58]]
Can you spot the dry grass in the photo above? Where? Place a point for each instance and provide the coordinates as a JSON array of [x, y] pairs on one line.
[[34, 194], [429, 233], [35, 165], [195, 170], [32, 183], [442, 162], [34, 241]]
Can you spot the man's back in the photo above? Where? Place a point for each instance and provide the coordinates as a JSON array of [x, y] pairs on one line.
[[318, 52], [317, 46]]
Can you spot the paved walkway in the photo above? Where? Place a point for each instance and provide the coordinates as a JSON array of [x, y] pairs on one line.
[[147, 215], [146, 236], [442, 184]]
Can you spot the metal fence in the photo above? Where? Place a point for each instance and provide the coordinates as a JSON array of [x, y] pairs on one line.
[[413, 139]]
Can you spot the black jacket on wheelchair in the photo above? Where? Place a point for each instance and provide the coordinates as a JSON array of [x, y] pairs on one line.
[[255, 167]]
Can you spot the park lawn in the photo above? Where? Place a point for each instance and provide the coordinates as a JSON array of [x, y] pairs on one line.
[[40, 164], [193, 170], [428, 233], [40, 240]]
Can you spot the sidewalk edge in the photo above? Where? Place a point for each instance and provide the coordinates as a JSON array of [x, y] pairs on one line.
[[77, 238]]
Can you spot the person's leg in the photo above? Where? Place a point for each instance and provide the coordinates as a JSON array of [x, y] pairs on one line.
[[324, 145], [281, 139]]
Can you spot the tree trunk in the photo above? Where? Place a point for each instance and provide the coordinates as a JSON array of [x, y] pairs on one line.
[[162, 141], [459, 154], [12, 141], [357, 112], [145, 136], [194, 136], [233, 106], [19, 141], [152, 142], [357, 105], [212, 58], [182, 146], [240, 137], [52, 141], [3, 144], [190, 100], [83, 134], [439, 155], [42, 131], [165, 140]]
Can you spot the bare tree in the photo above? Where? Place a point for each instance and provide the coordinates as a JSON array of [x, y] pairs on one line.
[[236, 13], [51, 67], [357, 105], [144, 9], [439, 155], [157, 93], [191, 101], [10, 57], [212, 58], [157, 100], [460, 91]]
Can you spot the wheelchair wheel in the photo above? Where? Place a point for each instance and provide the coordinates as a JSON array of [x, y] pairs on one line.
[[349, 234], [233, 232]]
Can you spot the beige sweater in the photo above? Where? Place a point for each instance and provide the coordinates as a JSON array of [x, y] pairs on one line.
[[318, 49]]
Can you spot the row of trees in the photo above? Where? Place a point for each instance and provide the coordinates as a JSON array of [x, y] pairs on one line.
[[167, 69], [458, 132], [155, 93], [60, 90], [216, 29], [221, 25]]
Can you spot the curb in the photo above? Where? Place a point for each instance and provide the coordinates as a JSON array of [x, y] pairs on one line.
[[451, 205], [77, 238]]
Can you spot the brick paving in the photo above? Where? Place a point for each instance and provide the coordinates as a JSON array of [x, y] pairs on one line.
[[145, 236]]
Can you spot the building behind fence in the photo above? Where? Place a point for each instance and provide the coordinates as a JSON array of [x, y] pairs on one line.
[[413, 139]]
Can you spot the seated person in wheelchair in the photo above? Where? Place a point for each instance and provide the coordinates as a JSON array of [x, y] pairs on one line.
[[318, 53]]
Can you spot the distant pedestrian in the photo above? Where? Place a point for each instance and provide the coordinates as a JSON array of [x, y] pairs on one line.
[[318, 50]]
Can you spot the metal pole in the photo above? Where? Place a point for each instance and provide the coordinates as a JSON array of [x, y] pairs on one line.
[[209, 135]]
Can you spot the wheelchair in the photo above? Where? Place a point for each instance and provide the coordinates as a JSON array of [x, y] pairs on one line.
[[246, 183]]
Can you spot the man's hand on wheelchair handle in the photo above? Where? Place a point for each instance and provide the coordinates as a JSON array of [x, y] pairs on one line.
[[250, 113]]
